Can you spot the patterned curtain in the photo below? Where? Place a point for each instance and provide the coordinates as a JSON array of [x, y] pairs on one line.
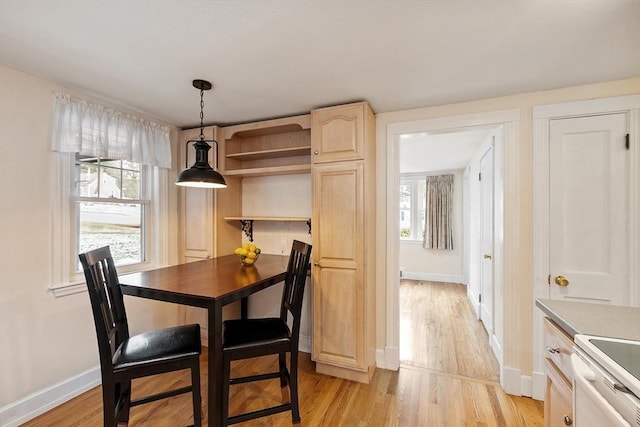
[[438, 227]]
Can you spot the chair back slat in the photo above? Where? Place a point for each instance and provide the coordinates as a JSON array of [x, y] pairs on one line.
[[107, 303], [294, 284]]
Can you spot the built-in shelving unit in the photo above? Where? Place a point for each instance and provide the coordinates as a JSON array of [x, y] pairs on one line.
[[247, 222], [271, 147]]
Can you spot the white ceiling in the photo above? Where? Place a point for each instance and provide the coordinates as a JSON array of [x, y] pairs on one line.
[[444, 151], [271, 58]]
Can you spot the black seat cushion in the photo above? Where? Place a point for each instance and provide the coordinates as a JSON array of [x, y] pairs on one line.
[[244, 332], [158, 346]]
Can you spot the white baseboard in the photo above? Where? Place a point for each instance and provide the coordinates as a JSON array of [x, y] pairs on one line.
[[513, 382], [473, 300], [304, 344], [496, 347], [447, 278], [539, 385], [29, 407], [389, 358]]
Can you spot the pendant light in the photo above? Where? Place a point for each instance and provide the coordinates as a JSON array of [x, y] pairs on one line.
[[201, 174]]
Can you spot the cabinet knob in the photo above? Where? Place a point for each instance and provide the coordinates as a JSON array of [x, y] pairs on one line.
[[316, 152], [567, 420]]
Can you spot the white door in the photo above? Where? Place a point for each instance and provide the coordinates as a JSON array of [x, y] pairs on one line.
[[486, 240], [589, 205]]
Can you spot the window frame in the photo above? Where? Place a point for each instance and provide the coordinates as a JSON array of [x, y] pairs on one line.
[[65, 280], [417, 206]]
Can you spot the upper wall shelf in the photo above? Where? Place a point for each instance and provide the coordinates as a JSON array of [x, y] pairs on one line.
[[271, 147]]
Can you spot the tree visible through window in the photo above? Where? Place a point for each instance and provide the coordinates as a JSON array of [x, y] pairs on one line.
[[110, 203]]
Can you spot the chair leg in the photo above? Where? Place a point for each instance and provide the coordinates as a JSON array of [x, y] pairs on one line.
[[196, 394], [293, 387], [124, 396], [226, 378], [282, 363], [108, 403]]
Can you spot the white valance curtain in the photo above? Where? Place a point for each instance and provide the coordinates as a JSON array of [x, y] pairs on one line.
[[95, 130], [438, 227]]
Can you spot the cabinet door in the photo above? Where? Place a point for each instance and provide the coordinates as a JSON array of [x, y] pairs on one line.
[[558, 405], [338, 292], [196, 214], [338, 133]]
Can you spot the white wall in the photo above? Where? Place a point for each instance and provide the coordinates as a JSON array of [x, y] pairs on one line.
[[419, 263], [44, 340]]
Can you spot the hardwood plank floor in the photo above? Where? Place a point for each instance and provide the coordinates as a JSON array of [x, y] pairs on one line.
[[439, 331], [441, 384]]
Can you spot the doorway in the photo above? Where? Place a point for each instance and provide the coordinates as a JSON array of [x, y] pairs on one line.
[[467, 155], [505, 182]]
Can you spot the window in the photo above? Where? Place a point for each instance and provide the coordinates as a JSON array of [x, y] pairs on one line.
[[110, 203], [109, 181], [412, 203]]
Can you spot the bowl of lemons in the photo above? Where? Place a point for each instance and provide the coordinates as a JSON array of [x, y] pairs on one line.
[[248, 253]]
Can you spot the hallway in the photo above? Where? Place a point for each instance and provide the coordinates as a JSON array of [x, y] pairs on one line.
[[446, 363]]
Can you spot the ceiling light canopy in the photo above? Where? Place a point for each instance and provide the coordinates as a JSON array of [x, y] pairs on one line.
[[201, 174]]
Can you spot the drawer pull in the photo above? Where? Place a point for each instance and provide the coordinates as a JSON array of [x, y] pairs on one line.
[[567, 420], [553, 350]]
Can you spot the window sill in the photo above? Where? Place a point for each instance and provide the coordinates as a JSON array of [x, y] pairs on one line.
[[69, 289], [412, 242]]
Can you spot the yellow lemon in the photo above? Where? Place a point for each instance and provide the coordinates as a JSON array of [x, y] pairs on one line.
[[248, 261], [237, 251], [243, 252], [252, 247], [252, 255], [245, 246]]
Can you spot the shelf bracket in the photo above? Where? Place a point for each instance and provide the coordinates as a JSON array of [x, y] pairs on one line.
[[309, 225], [247, 227]]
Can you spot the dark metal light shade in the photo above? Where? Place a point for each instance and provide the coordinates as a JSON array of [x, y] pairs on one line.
[[201, 174], [201, 178]]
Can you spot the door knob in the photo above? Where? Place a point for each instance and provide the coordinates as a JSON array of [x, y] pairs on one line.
[[486, 256], [562, 281]]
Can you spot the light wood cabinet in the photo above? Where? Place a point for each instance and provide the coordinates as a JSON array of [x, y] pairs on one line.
[[343, 219], [558, 399], [196, 206], [339, 133], [337, 146]]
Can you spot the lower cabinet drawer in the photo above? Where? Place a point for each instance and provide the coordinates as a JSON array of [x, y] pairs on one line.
[[558, 347]]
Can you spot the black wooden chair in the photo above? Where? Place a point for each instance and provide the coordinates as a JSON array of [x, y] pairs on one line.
[[247, 338], [124, 357]]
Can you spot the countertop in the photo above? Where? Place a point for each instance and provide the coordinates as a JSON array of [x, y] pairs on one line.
[[602, 320]]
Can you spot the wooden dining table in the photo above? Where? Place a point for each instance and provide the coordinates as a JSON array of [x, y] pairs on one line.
[[209, 284]]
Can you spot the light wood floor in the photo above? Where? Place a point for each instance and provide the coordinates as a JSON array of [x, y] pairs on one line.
[[446, 380]]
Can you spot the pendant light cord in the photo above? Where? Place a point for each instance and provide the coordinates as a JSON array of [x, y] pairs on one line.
[[201, 114]]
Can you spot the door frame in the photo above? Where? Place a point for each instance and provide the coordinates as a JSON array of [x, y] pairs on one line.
[[505, 268], [542, 115]]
